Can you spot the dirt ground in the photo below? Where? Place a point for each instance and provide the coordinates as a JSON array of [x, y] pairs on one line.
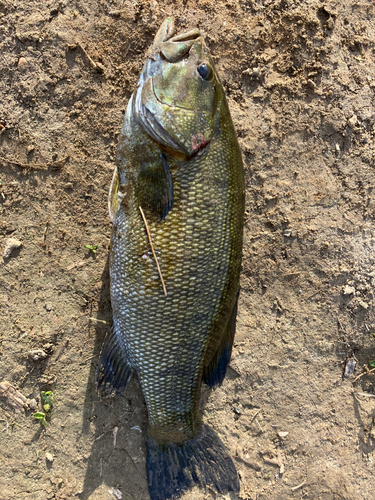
[[300, 80]]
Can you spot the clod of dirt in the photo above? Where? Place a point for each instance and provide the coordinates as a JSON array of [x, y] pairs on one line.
[[10, 245], [352, 122], [37, 355], [13, 397]]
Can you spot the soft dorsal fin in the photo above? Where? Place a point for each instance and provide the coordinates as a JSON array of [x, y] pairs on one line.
[[154, 188]]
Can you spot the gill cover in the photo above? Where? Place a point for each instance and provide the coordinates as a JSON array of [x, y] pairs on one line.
[[174, 103]]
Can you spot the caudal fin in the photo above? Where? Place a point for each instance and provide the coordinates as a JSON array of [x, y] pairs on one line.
[[202, 461]]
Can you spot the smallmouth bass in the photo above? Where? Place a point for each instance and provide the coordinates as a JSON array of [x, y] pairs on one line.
[[179, 165]]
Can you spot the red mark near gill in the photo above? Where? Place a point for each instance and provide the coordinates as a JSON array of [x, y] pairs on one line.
[[197, 141]]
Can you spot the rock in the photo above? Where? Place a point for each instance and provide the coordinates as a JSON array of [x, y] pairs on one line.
[[10, 245], [349, 290], [22, 62], [33, 404], [49, 457], [48, 306]]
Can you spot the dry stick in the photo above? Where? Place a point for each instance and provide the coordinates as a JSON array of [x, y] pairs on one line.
[[364, 373], [35, 166], [298, 486], [153, 251], [91, 61]]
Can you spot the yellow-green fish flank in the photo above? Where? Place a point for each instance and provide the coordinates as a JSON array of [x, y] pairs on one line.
[[179, 161]]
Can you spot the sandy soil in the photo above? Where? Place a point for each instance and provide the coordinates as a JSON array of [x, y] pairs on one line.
[[300, 80]]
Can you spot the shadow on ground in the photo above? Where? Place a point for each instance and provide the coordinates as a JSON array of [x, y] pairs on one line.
[[118, 425]]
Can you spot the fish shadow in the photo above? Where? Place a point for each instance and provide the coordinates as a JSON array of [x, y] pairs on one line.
[[116, 425]]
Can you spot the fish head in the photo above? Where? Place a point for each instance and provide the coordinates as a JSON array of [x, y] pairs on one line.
[[176, 99]]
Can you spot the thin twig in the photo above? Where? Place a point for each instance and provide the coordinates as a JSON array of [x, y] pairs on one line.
[[366, 394], [153, 251], [260, 427], [54, 165], [364, 373], [91, 61], [298, 486]]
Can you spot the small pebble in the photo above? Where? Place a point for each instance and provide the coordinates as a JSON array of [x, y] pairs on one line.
[[10, 245], [364, 305], [33, 404], [48, 306], [116, 493], [349, 290], [287, 233], [349, 367], [282, 434], [22, 62], [49, 457]]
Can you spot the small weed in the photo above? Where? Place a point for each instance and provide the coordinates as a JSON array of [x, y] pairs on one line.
[[47, 402], [47, 397], [92, 248], [372, 363], [39, 415]]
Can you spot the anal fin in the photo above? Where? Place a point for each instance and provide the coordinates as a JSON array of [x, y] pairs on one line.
[[114, 370]]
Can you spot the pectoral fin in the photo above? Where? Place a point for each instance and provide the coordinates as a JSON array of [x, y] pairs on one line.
[[154, 189], [113, 201]]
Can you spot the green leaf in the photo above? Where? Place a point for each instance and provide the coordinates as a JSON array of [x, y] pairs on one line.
[[39, 415], [372, 363], [47, 397]]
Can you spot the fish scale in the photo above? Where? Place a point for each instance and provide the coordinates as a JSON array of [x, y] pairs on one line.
[[183, 167]]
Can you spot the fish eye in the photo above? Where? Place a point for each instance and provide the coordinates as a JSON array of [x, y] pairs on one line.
[[205, 71]]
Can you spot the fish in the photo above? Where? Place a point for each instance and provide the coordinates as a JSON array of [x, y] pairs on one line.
[[176, 203]]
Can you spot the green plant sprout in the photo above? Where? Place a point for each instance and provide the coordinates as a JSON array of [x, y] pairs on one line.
[[39, 415], [372, 363], [47, 397], [92, 248], [47, 402]]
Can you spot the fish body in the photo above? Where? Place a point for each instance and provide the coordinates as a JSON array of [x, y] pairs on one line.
[[179, 183]]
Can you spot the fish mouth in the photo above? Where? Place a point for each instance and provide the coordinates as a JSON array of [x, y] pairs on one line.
[[189, 146]]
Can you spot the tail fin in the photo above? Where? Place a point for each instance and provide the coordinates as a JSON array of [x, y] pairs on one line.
[[203, 461]]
